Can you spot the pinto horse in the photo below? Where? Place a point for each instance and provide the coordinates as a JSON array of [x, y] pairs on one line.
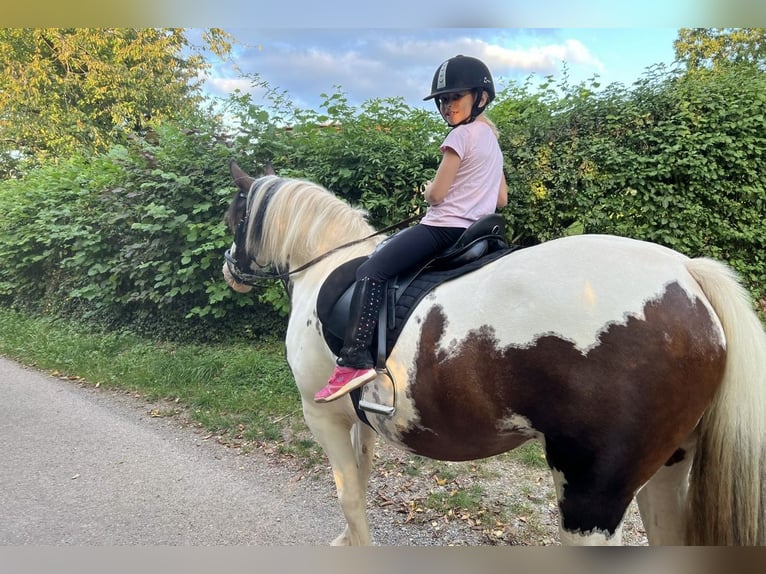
[[642, 372]]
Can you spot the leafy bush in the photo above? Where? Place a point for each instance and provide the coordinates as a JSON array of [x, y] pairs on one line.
[[135, 236], [376, 156], [132, 237], [678, 160]]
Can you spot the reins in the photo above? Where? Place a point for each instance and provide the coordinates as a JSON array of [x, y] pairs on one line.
[[305, 266], [248, 278]]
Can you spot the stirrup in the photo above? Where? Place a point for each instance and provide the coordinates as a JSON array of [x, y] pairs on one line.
[[377, 408]]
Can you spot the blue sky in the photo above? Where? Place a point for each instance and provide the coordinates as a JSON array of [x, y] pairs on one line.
[[391, 48], [384, 62]]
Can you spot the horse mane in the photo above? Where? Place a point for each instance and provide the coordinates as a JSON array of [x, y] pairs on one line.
[[302, 220]]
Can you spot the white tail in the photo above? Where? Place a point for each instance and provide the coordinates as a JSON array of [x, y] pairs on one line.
[[727, 493]]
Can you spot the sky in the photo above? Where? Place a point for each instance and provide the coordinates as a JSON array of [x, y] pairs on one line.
[[391, 48], [370, 63]]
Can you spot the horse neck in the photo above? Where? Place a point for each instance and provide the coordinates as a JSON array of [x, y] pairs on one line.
[[334, 253], [306, 227], [306, 283]]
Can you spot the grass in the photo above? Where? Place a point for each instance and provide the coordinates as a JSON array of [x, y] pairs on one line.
[[241, 391], [530, 455], [470, 499]]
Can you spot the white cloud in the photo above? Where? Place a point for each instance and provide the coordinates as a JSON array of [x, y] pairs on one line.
[[500, 59], [543, 59], [229, 85], [390, 63]]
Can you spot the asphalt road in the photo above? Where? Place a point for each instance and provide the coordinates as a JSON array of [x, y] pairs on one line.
[[80, 466]]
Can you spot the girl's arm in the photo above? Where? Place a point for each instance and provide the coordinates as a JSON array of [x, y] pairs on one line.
[[502, 193], [436, 191]]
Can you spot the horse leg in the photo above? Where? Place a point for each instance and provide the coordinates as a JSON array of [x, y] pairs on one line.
[[363, 440], [351, 462], [570, 534], [662, 500]]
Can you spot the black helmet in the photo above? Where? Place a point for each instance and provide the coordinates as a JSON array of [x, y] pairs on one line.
[[462, 73]]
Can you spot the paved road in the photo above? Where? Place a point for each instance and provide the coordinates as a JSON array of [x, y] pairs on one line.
[[85, 467]]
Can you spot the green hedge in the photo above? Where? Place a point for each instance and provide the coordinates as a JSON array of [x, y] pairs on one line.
[[135, 237], [678, 159]]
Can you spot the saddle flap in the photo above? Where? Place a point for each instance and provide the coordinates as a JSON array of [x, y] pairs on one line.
[[334, 298]]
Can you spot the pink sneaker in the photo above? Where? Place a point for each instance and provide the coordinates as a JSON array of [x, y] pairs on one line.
[[342, 381]]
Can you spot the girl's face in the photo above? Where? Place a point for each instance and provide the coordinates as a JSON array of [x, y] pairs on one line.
[[456, 106]]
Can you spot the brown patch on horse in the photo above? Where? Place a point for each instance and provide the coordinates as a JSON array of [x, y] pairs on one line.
[[610, 417]]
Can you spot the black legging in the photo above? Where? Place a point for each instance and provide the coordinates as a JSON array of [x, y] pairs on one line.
[[406, 249]]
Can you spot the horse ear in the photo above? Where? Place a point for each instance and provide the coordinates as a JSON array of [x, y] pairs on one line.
[[268, 169], [241, 179]]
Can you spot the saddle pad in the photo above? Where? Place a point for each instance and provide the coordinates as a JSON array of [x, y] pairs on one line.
[[412, 288], [425, 282]]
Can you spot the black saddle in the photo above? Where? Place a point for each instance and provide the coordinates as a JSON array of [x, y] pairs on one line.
[[482, 237], [480, 244]]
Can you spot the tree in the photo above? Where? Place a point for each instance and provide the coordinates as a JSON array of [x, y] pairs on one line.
[[716, 47], [64, 89]]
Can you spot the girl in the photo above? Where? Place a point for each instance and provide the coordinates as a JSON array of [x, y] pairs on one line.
[[469, 184]]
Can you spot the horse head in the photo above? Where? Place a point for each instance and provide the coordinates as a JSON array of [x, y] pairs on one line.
[[238, 206], [235, 218]]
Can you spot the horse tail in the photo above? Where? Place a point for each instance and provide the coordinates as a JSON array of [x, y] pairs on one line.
[[727, 497]]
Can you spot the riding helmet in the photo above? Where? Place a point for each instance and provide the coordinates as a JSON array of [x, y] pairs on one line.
[[463, 73]]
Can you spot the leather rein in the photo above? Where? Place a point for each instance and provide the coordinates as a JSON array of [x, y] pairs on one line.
[[253, 277]]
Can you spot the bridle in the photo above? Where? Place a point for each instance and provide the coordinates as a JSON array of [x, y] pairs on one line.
[[252, 277]]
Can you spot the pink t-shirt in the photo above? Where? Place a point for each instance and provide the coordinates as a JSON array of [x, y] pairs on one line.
[[474, 192]]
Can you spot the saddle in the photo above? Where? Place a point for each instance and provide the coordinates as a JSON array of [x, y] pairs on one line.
[[480, 244]]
